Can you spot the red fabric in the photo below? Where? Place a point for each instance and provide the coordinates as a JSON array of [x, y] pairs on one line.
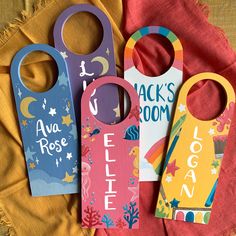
[[205, 49]]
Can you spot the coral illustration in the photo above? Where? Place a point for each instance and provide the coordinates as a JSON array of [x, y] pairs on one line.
[[225, 118], [120, 223], [86, 181], [131, 215], [84, 150], [107, 220], [92, 217]]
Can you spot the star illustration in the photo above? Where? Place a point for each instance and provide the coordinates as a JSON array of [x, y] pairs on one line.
[[66, 120], [87, 129], [57, 163], [69, 155], [32, 165], [211, 132], [68, 178], [67, 109], [168, 178], [108, 51], [52, 112], [64, 55], [215, 163], [24, 122], [37, 160], [135, 191], [117, 110], [29, 154], [60, 159], [171, 168], [19, 93], [213, 171], [73, 132], [63, 80], [174, 203], [75, 170], [181, 107]]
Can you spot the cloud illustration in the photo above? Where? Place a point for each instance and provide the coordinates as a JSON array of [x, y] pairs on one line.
[[43, 184], [40, 188]]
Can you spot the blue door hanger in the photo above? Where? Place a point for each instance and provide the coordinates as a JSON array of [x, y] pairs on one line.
[[48, 129]]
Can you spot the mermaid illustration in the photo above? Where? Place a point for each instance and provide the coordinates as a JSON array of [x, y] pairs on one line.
[[86, 182]]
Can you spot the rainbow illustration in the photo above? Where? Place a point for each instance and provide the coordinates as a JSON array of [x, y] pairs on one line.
[[155, 153], [178, 50]]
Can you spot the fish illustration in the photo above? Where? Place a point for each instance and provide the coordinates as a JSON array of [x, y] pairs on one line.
[[94, 132], [132, 133]]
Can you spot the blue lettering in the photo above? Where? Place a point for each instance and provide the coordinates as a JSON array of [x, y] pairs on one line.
[[149, 93], [158, 93], [155, 113], [142, 92], [171, 97], [146, 113], [167, 110]]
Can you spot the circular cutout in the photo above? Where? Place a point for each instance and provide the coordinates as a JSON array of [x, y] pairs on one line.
[[39, 71], [206, 100], [87, 32], [154, 55], [120, 111]]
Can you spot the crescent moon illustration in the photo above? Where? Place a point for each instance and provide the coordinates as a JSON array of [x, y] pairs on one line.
[[104, 63], [24, 107]]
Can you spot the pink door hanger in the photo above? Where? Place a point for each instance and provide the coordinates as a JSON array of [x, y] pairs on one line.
[[110, 164]]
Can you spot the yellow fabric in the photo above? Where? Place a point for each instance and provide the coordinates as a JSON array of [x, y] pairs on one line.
[[22, 214], [10, 10], [222, 14]]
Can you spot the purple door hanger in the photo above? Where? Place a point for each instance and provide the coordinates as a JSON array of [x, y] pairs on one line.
[[83, 69]]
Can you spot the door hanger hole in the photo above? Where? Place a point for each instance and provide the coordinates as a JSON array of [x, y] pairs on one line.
[[110, 114], [39, 71], [83, 33], [206, 100], [153, 55]]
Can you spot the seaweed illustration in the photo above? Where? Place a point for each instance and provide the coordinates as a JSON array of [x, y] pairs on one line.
[[161, 212], [107, 220], [92, 217], [131, 215]]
